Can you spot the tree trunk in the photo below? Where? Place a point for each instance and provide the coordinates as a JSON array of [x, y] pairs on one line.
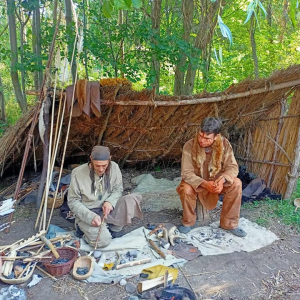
[[253, 46], [2, 102], [23, 21], [14, 54], [269, 13], [84, 34], [285, 18], [70, 37], [55, 3], [208, 21], [120, 23], [187, 11], [155, 64], [35, 73], [39, 46]]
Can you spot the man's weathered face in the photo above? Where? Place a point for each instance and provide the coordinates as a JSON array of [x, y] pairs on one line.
[[205, 139], [100, 166]]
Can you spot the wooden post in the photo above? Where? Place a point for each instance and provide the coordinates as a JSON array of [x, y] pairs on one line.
[[294, 171], [279, 127], [202, 213]]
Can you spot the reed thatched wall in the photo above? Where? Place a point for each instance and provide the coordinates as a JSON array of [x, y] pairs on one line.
[[139, 126], [268, 149]]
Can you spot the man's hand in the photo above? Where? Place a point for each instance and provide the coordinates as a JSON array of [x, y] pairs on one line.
[[218, 186], [96, 221], [213, 187], [209, 185], [107, 208]]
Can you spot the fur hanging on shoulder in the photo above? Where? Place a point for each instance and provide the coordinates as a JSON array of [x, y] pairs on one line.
[[81, 92], [217, 156], [199, 156]]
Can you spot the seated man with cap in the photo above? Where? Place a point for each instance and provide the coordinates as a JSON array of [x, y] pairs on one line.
[[95, 193]]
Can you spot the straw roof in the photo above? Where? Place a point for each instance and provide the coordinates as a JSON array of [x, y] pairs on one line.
[[143, 127]]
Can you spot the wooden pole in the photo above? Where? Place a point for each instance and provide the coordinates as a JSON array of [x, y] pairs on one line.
[[223, 97], [293, 176], [67, 134], [49, 163], [34, 119], [279, 127]]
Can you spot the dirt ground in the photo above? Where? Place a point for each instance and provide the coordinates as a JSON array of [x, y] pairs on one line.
[[272, 272]]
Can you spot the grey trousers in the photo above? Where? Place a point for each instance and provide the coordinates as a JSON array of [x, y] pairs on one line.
[[127, 207]]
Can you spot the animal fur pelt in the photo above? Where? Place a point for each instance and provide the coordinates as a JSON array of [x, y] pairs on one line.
[[217, 156], [81, 92]]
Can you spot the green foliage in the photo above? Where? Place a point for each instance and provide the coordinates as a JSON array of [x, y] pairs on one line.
[[269, 210], [3, 126], [292, 12], [114, 48], [252, 10], [109, 6], [30, 5]]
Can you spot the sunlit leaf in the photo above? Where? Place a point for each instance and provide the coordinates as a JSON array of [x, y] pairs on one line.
[[225, 30], [251, 6], [292, 12], [137, 3], [216, 56], [220, 54], [255, 15], [128, 4], [120, 4], [107, 8], [262, 8], [249, 15]]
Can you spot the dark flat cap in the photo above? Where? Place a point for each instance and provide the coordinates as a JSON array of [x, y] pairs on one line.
[[100, 153]]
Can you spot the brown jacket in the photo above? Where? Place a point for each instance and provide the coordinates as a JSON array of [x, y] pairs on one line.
[[192, 163]]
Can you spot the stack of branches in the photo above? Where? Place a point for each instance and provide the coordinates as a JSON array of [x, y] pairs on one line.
[[14, 140]]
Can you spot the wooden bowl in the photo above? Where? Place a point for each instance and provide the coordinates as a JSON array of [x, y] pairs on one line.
[[18, 280], [83, 262], [297, 203]]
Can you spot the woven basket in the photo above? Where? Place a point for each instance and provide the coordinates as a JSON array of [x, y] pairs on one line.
[[58, 202], [63, 269]]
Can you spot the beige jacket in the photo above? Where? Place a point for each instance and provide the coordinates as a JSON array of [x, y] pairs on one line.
[[80, 197], [193, 174]]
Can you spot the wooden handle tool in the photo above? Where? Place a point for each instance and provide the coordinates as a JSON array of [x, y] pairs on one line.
[[154, 247], [49, 244], [98, 236]]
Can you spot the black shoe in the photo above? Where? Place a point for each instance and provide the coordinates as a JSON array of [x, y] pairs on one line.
[[79, 233], [115, 234]]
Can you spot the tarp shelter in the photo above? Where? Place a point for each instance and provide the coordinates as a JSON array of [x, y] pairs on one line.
[[262, 119]]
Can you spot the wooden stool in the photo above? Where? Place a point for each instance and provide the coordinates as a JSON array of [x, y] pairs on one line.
[[202, 214]]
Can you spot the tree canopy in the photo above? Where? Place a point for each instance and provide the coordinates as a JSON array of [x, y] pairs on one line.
[[180, 47]]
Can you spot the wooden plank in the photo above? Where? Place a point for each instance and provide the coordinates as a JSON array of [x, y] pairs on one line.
[[134, 263], [151, 283]]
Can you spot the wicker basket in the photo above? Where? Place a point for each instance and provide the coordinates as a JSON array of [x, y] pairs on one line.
[[58, 202], [62, 269]]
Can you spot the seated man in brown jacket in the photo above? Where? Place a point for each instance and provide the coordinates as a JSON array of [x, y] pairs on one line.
[[209, 168], [95, 193]]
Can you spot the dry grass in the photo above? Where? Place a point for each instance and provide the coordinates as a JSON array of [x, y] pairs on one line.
[[281, 285]]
